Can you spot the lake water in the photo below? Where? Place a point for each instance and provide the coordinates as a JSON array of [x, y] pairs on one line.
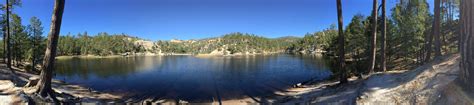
[[193, 79]]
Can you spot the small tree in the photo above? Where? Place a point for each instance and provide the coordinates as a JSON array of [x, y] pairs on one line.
[[35, 31]]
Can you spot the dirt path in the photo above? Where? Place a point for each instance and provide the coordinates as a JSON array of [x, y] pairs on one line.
[[423, 85], [431, 83], [8, 95]]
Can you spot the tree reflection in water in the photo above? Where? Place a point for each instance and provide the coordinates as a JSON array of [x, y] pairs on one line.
[[191, 78]]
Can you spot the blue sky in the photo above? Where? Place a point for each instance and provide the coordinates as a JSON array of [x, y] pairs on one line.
[[195, 19]]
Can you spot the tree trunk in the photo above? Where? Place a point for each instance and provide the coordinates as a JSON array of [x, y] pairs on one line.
[[467, 44], [4, 44], [33, 61], [8, 36], [373, 41], [384, 35], [44, 85], [341, 60], [428, 47], [436, 28]]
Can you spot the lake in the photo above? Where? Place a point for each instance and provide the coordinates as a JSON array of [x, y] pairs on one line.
[[193, 79]]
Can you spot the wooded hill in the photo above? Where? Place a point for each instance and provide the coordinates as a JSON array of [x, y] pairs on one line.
[[105, 44]]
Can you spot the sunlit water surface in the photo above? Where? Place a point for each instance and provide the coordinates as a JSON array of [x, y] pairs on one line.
[[190, 78]]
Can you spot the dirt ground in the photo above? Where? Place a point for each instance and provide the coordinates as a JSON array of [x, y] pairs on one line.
[[427, 84], [432, 83]]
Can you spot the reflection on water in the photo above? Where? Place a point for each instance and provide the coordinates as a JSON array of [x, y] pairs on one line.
[[193, 79]]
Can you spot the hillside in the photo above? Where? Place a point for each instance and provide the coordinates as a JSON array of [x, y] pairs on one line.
[[119, 44], [233, 43]]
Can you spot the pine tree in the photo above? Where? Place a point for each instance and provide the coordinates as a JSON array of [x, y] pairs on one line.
[[373, 40], [341, 61], [384, 35], [467, 44], [44, 84], [35, 31], [436, 28]]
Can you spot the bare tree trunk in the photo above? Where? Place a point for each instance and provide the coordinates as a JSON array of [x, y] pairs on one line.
[[436, 28], [384, 35], [467, 44], [373, 41], [341, 60], [4, 44], [8, 36], [44, 85]]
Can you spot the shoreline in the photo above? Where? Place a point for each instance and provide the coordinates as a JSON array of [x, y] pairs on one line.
[[168, 54], [362, 91], [66, 92]]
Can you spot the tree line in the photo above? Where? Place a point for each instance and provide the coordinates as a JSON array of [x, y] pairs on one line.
[[101, 44], [234, 43], [29, 43]]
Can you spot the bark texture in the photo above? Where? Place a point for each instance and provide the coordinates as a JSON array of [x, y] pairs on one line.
[[341, 59], [384, 35], [373, 40], [8, 36], [436, 28], [44, 85], [467, 44]]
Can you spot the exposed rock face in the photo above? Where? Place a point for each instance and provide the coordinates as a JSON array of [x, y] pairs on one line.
[[175, 41], [147, 45], [219, 51]]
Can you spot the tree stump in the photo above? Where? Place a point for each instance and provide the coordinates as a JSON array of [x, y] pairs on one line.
[[32, 81]]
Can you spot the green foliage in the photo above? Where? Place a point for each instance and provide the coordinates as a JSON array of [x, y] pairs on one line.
[[413, 20], [306, 44], [20, 39], [406, 32], [324, 40], [356, 41], [233, 42], [450, 25], [102, 44], [35, 30]]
